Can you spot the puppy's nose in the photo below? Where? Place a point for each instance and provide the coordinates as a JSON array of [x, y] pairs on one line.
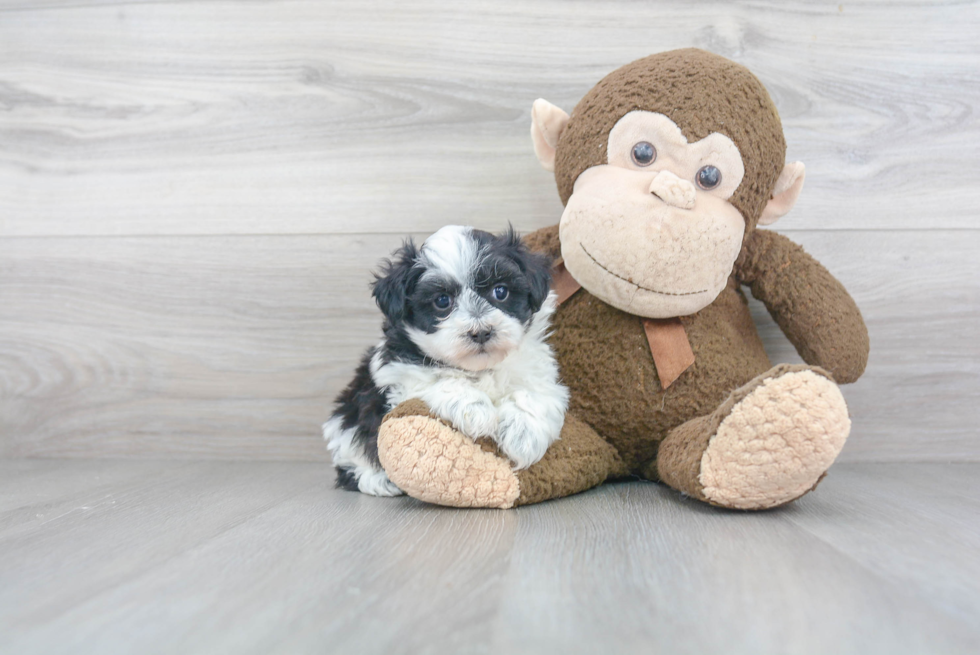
[[481, 336], [673, 190]]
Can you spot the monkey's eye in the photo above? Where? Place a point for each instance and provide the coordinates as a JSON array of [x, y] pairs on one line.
[[500, 292], [442, 301], [709, 177], [644, 153]]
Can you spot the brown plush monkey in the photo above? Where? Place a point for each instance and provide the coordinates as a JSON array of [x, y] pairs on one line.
[[665, 168]]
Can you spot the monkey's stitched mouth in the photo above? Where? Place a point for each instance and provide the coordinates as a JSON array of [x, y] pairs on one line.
[[638, 286]]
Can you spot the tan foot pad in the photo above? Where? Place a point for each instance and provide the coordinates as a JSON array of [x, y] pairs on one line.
[[430, 461], [776, 443]]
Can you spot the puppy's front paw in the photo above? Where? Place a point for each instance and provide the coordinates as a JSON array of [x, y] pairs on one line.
[[522, 437], [476, 419]]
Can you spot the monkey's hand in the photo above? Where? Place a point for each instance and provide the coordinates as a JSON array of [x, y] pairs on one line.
[[811, 307]]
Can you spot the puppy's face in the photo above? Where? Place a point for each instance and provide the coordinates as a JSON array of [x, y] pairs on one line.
[[466, 298]]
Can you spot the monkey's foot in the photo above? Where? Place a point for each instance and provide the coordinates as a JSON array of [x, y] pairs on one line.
[[431, 461], [771, 442]]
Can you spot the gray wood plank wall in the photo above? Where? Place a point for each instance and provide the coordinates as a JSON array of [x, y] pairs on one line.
[[192, 196]]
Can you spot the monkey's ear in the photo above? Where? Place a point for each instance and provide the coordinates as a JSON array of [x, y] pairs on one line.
[[547, 123], [785, 193]]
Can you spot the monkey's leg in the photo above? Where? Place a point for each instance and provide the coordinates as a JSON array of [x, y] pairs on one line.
[[771, 442], [431, 461]]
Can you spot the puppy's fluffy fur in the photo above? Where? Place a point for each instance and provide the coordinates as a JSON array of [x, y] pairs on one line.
[[466, 318]]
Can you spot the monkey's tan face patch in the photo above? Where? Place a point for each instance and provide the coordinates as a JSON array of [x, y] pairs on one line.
[[641, 254], [673, 152], [644, 233]]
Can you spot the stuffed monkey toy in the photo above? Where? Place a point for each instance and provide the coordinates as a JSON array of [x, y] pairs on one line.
[[666, 169]]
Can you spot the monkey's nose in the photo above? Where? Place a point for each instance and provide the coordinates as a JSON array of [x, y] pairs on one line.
[[481, 336], [673, 190]]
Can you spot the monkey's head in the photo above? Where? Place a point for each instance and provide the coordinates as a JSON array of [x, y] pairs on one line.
[[663, 167]]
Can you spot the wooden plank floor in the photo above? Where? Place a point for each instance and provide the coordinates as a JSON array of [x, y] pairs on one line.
[[114, 556]]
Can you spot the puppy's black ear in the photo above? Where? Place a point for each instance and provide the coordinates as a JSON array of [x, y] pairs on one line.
[[537, 268], [393, 285], [539, 277]]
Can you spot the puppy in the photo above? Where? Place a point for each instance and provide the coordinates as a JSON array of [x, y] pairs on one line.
[[465, 322]]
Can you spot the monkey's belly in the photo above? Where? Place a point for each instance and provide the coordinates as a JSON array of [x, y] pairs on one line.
[[606, 363]]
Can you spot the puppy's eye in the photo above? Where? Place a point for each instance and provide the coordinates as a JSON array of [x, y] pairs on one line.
[[500, 292], [644, 153], [442, 301], [709, 177]]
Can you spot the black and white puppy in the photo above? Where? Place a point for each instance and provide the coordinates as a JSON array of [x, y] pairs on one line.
[[465, 322]]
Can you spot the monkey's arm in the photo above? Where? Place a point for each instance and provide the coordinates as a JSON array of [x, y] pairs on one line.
[[811, 307], [544, 241]]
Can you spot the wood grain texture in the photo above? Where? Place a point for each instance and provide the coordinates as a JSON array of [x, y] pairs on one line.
[[234, 347], [247, 557], [349, 117], [192, 195], [207, 347]]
